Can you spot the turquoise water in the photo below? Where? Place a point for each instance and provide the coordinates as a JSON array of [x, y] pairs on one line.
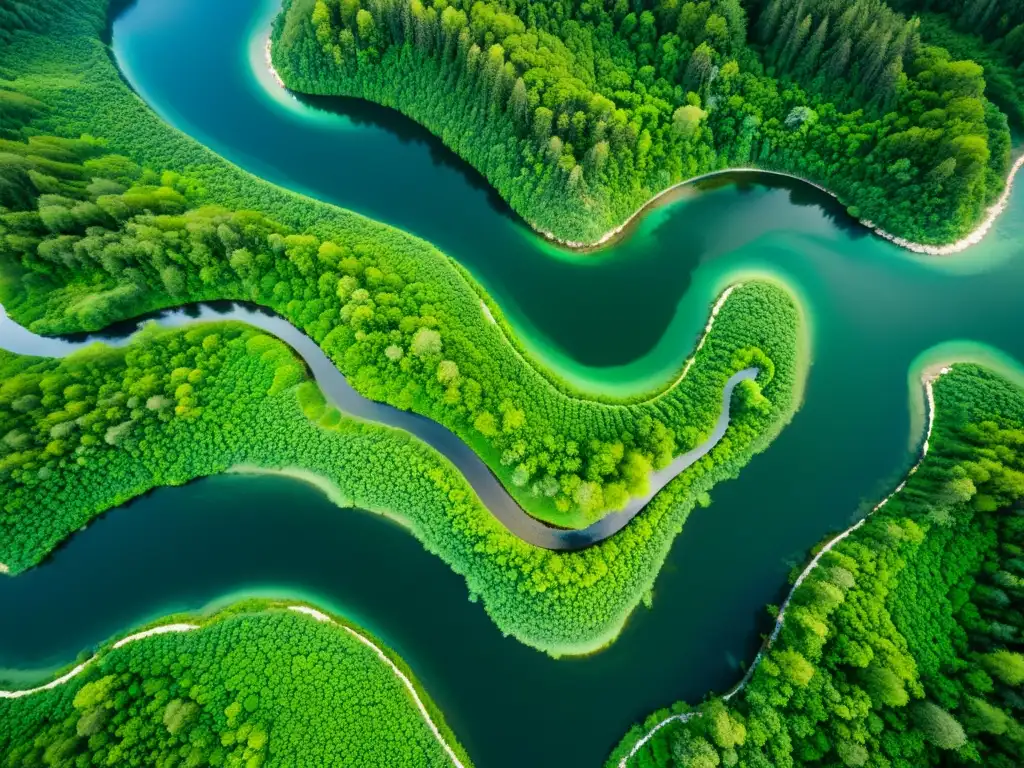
[[619, 320]]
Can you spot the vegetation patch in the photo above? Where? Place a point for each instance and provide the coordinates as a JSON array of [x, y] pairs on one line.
[[255, 684], [903, 647], [579, 113], [87, 432]]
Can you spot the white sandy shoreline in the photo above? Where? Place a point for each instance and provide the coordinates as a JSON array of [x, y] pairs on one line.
[[928, 378], [973, 238], [306, 610], [324, 618], [270, 66]]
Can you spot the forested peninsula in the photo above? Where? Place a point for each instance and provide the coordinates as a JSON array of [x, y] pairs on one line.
[[256, 683], [97, 230], [87, 432], [903, 647], [579, 113]]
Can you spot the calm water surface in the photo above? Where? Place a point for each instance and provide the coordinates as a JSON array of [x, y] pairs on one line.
[[619, 320]]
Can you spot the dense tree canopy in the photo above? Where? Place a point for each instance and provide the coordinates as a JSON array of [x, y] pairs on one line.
[[578, 112], [84, 433], [904, 647], [161, 242], [256, 685], [989, 32], [91, 237]]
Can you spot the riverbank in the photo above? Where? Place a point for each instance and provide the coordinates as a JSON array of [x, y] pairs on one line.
[[301, 609], [928, 378], [529, 526], [163, 629], [324, 618], [270, 65], [574, 394], [973, 238], [323, 484]]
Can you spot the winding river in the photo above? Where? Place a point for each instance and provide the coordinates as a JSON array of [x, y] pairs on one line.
[[15, 338], [874, 310]]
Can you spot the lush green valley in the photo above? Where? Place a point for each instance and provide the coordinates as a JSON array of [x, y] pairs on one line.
[[580, 112], [903, 647], [257, 683]]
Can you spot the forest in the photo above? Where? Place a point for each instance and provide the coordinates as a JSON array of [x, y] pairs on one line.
[[561, 603], [256, 685], [904, 647], [579, 112], [87, 432], [90, 237], [989, 32]]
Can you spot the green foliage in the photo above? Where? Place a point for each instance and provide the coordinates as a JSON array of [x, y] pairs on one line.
[[161, 238], [578, 113], [85, 255], [1004, 76], [90, 431], [999, 22], [257, 685], [904, 646]]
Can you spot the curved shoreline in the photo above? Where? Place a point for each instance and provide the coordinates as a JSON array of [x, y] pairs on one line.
[[972, 238], [928, 378], [163, 629], [305, 610], [339, 393], [323, 617]]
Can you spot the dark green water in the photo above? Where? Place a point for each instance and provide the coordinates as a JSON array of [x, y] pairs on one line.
[[617, 321]]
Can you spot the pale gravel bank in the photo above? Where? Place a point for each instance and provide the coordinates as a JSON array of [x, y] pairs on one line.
[[303, 609], [700, 345], [928, 379], [270, 66]]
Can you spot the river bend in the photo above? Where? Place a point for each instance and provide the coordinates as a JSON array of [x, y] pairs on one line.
[[15, 338]]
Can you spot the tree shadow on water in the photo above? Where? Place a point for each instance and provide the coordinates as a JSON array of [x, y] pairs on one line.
[[367, 114]]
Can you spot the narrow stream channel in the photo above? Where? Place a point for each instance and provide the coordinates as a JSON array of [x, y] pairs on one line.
[[15, 338]]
